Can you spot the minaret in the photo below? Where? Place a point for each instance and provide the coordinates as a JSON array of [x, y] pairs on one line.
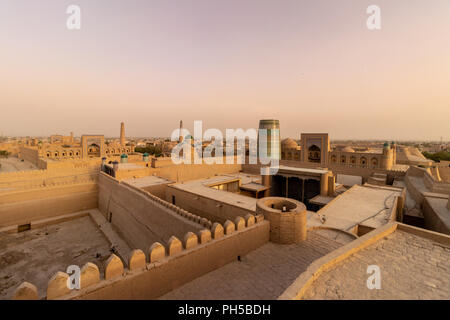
[[180, 139], [122, 134]]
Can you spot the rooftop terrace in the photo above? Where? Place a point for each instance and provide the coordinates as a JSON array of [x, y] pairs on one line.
[[262, 274], [411, 267], [202, 188], [366, 205]]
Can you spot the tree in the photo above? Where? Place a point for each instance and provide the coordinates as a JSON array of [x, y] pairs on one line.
[[4, 153], [154, 150], [438, 156]]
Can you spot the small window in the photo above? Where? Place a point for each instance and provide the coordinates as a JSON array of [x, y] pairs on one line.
[[24, 227], [173, 199]]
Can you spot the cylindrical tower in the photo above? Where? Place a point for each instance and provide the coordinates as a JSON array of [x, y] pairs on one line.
[[122, 134], [180, 138], [394, 152], [386, 158], [272, 137], [287, 219], [115, 167]]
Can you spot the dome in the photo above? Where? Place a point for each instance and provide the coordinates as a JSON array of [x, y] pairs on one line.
[[347, 149], [289, 143]]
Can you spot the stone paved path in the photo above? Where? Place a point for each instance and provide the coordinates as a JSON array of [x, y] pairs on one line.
[[262, 274]]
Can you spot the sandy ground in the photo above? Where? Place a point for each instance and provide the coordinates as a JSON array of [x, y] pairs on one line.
[[36, 255]]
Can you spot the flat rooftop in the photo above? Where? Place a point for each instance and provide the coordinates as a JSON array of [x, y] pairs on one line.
[[302, 170], [202, 188], [321, 200], [127, 166], [253, 186], [147, 181], [411, 267], [365, 205], [36, 255]]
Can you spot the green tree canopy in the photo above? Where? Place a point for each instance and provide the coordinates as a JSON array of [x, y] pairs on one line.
[[153, 150], [438, 156]]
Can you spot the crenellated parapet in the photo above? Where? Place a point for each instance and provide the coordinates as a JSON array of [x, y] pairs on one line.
[[175, 209], [157, 271]]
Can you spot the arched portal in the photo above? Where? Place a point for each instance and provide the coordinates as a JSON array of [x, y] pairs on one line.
[[92, 146], [314, 153], [374, 162], [94, 150], [363, 162]]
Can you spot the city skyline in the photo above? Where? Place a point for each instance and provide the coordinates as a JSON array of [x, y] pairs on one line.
[[315, 67], [236, 153]]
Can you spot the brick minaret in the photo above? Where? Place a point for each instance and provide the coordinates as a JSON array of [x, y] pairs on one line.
[[122, 134], [180, 139]]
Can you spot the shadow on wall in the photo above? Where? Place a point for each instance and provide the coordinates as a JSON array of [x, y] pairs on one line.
[[140, 217]]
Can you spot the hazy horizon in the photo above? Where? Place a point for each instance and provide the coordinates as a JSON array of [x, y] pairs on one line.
[[312, 65]]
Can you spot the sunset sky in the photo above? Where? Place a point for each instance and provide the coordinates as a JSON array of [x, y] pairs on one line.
[[313, 65]]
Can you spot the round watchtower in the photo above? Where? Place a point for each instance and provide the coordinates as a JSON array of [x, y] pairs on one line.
[[287, 219]]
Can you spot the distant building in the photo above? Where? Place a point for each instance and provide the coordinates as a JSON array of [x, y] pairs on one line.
[[315, 148], [64, 147]]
